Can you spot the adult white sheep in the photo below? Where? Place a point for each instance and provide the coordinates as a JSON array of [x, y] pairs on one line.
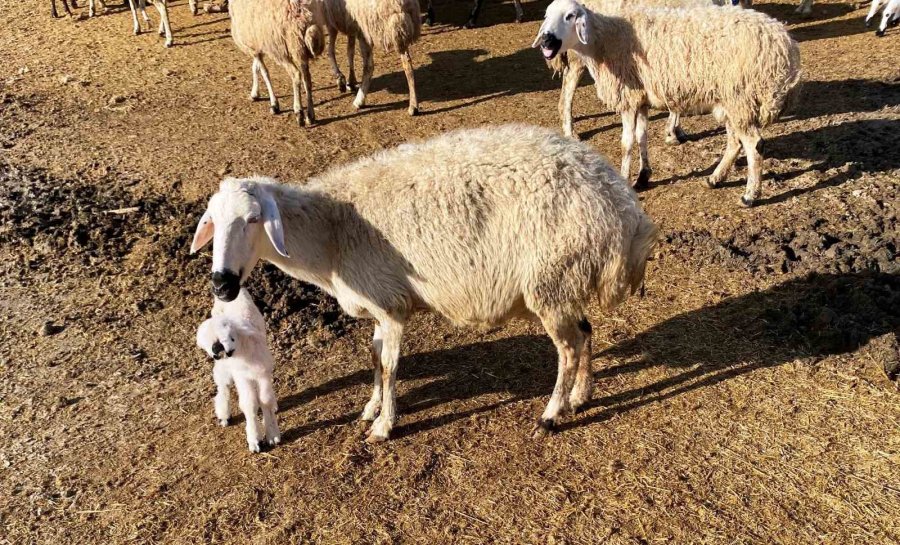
[[235, 337], [393, 24], [740, 65], [572, 68], [288, 31], [478, 225], [890, 16]]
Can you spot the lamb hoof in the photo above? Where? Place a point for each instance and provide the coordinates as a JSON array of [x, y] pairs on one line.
[[224, 422], [275, 440], [543, 428], [358, 104], [879, 33], [168, 43], [643, 179], [413, 111], [254, 447], [254, 98], [745, 202], [274, 109]]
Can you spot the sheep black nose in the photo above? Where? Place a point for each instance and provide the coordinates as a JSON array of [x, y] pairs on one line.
[[230, 353], [226, 285], [218, 349]]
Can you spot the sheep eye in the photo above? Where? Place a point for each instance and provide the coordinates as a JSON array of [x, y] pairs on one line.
[[231, 339], [570, 16]]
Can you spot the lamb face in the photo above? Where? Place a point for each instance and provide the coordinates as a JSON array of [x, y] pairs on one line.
[[219, 338], [565, 26], [232, 221]]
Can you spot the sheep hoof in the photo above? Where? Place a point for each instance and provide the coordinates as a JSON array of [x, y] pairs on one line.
[[868, 23], [745, 202], [879, 33], [274, 440], [429, 18], [413, 111], [310, 121], [254, 97], [358, 104], [301, 121], [543, 428], [375, 438], [254, 447], [469, 24], [643, 179], [224, 422], [274, 109], [342, 86], [168, 43]]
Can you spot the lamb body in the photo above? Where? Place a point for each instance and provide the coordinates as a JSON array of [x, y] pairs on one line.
[[740, 65], [394, 25], [479, 226], [288, 31], [235, 336]]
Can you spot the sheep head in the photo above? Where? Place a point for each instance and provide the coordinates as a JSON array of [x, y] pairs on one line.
[[565, 26], [232, 221], [219, 337]]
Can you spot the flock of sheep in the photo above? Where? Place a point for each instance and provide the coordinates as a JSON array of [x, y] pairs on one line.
[[487, 224]]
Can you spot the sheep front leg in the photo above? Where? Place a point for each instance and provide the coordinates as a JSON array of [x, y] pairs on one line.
[[643, 180], [254, 73], [571, 76], [520, 13], [374, 405], [406, 59], [165, 29], [248, 400], [264, 72], [629, 120], [351, 55], [332, 58], [295, 87], [392, 332], [222, 378], [306, 80], [365, 51], [674, 134], [732, 149], [568, 340], [269, 403], [752, 143], [134, 17], [193, 5], [584, 379], [872, 11]]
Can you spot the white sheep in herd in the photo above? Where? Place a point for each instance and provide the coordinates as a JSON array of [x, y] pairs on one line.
[[890, 16], [478, 225], [739, 65], [572, 68], [394, 25], [288, 31], [235, 336]]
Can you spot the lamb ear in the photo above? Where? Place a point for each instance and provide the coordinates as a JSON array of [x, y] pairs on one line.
[[204, 232], [537, 39], [272, 222], [581, 28]]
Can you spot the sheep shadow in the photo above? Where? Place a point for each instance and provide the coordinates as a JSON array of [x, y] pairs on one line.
[[851, 149], [806, 318], [820, 98], [493, 12], [820, 12], [467, 74]]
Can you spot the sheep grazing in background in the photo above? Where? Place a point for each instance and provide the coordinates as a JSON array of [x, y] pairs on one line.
[[393, 24], [741, 65], [235, 337], [890, 16], [572, 68], [473, 16], [478, 226], [65, 3], [288, 31]]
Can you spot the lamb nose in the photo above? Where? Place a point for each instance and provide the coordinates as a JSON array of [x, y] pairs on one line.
[[217, 349]]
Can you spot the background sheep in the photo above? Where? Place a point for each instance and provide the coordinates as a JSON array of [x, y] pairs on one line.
[[738, 64], [235, 337], [473, 16], [288, 31], [65, 4], [479, 226], [890, 16], [572, 68], [393, 24]]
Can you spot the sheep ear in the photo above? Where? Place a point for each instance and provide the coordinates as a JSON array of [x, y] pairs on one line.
[[204, 232], [581, 28], [272, 222], [537, 39]]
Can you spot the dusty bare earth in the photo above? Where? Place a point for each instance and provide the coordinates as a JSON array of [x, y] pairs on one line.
[[742, 400]]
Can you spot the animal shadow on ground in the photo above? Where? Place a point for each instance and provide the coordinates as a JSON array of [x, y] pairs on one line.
[[788, 14], [842, 152], [493, 12], [818, 98], [806, 318], [472, 75]]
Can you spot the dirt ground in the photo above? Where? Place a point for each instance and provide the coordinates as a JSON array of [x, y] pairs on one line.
[[742, 400]]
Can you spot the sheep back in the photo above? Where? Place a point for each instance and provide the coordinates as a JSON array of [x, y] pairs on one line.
[[480, 225], [285, 30], [392, 24]]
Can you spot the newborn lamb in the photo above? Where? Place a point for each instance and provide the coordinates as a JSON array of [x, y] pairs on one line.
[[235, 337]]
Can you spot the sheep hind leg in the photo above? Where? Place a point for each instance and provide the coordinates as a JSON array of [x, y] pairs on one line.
[[295, 89], [640, 129], [370, 412], [332, 58], [674, 134], [269, 404], [254, 73], [392, 331], [872, 11], [351, 55], [306, 80], [165, 29], [629, 120], [584, 379], [571, 76], [365, 51], [134, 16], [520, 13], [732, 149], [567, 337], [752, 143], [429, 14], [222, 378], [473, 17], [406, 59]]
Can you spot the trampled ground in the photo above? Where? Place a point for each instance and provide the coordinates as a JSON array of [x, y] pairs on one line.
[[742, 400]]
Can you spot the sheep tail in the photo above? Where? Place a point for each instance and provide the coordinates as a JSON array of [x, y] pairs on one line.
[[642, 245], [789, 94], [402, 30]]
